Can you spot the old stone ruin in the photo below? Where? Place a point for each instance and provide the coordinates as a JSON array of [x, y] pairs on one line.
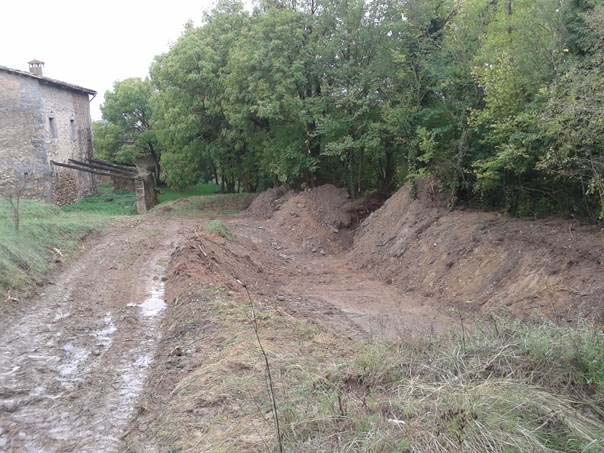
[[141, 176], [43, 119]]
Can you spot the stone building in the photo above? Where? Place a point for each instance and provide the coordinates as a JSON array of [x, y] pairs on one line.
[[43, 119]]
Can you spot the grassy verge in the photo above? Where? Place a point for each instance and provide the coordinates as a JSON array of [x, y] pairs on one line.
[[218, 204], [106, 202], [518, 388], [167, 194], [49, 234], [507, 387]]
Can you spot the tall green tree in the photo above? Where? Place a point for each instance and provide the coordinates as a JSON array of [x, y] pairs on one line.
[[496, 99], [127, 132]]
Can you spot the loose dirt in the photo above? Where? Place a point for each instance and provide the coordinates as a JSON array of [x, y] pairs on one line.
[[144, 342], [483, 262]]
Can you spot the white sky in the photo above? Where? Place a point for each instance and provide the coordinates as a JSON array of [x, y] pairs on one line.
[[92, 43]]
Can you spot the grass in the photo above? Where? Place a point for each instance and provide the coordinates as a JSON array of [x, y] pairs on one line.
[[47, 236], [522, 387], [509, 387], [219, 228], [106, 202], [200, 189], [212, 205]]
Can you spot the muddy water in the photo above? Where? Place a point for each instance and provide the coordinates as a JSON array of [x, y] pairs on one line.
[[72, 368]]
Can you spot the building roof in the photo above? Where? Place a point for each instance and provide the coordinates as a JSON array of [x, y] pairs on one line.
[[48, 80]]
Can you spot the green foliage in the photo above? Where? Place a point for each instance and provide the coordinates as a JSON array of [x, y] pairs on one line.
[[126, 132], [574, 117], [499, 101]]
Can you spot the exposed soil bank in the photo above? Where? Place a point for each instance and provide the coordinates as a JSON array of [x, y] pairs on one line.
[[483, 260]]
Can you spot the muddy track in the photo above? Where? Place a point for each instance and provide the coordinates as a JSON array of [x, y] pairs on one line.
[[78, 368], [72, 367]]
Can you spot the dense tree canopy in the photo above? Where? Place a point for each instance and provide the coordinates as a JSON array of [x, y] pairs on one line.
[[126, 132], [501, 100]]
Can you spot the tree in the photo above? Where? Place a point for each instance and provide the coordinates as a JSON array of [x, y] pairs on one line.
[[574, 117], [127, 131], [374, 94]]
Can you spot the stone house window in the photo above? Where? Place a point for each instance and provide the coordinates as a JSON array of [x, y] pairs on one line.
[[73, 132], [52, 125]]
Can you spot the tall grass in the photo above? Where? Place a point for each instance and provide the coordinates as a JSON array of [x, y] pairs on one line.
[[519, 388], [49, 234]]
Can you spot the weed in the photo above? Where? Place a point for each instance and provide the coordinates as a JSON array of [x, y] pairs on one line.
[[219, 228], [528, 387]]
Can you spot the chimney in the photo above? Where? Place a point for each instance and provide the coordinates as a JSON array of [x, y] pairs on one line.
[[36, 67]]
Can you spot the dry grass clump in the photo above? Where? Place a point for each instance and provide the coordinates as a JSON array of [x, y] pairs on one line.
[[508, 386], [219, 228], [513, 387]]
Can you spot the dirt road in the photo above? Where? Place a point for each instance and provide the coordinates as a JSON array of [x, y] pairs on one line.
[[72, 366]]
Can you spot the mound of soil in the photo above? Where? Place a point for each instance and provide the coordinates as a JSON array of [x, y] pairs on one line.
[[486, 260], [217, 262], [266, 203], [315, 219]]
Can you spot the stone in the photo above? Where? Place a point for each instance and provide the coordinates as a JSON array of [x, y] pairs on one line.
[[43, 119]]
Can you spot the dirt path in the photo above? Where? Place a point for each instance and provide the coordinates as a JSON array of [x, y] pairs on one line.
[[327, 289], [77, 368], [72, 367]]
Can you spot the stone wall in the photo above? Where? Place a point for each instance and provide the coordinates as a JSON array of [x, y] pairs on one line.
[[23, 148], [40, 122]]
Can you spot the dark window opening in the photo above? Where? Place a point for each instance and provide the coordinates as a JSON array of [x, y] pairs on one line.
[[72, 130], [53, 128]]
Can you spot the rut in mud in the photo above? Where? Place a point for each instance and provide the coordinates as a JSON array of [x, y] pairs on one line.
[[72, 367]]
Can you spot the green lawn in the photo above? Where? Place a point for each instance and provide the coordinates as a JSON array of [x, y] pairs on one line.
[[106, 202], [167, 194]]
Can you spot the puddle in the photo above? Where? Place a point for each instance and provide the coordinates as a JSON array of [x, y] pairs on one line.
[[71, 379], [154, 304], [75, 356], [104, 336]]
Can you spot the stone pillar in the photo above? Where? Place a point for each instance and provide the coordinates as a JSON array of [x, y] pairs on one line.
[[146, 195]]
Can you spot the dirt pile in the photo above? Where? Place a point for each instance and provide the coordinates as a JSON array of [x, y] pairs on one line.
[[478, 259], [315, 219], [266, 203], [217, 262]]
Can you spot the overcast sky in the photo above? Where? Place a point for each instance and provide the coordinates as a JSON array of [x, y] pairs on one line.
[[92, 43]]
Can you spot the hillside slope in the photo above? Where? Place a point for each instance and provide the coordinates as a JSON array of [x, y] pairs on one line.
[[477, 259]]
